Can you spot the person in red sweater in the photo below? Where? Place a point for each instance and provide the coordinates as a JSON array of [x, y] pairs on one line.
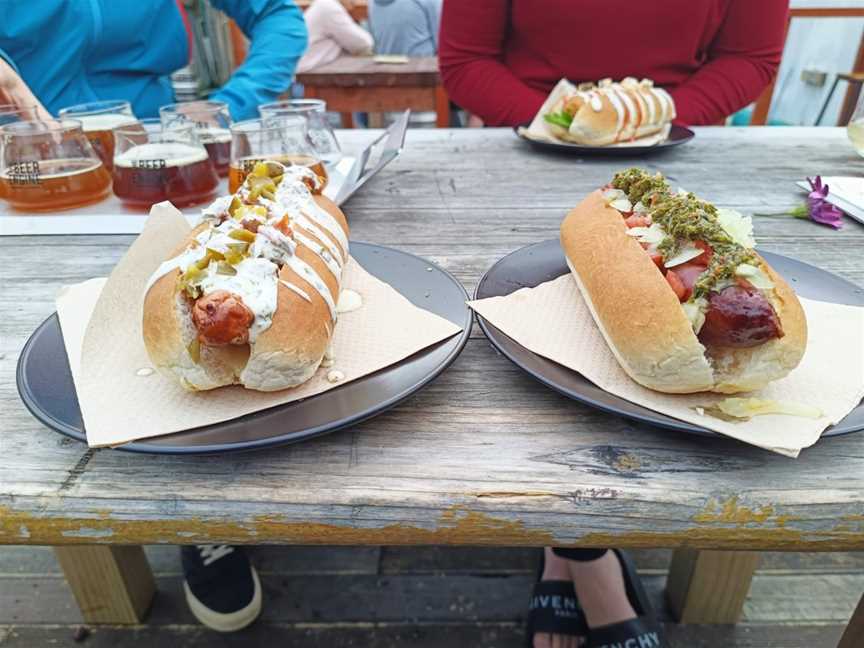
[[500, 58]]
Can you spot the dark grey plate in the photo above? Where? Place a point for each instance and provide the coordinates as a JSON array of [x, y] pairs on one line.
[[46, 387], [542, 262], [677, 135]]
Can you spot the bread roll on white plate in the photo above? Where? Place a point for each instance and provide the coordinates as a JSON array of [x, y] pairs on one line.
[[250, 299], [674, 285]]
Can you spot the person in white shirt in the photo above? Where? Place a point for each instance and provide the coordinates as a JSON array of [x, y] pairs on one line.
[[332, 33]]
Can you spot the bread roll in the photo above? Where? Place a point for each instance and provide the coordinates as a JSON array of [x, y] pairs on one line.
[[644, 323], [288, 278], [607, 113]]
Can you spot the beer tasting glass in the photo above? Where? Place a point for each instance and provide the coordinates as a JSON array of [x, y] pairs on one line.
[[99, 119], [315, 112], [153, 163], [212, 122], [283, 139], [47, 165], [13, 112]]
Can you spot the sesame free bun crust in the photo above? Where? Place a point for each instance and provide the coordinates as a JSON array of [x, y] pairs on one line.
[[643, 323], [284, 355]]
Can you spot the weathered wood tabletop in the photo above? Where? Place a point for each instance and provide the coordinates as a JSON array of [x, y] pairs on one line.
[[484, 455]]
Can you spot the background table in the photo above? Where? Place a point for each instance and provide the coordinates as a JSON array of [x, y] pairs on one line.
[[484, 455], [359, 84]]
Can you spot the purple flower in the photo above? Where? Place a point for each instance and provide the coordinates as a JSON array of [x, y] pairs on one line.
[[819, 209]]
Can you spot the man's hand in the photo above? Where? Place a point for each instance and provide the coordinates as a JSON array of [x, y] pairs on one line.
[[14, 91]]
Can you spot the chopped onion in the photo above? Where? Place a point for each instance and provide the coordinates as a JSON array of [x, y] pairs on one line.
[[744, 408], [622, 205], [639, 208], [613, 194], [652, 235], [695, 312], [682, 191], [684, 255], [738, 226], [756, 276]]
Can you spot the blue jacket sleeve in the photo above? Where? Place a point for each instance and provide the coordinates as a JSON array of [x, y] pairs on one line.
[[277, 34], [8, 59]]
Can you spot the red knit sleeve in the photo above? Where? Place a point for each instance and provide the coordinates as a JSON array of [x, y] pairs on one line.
[[470, 57], [741, 61]]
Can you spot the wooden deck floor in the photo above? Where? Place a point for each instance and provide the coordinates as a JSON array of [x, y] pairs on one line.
[[419, 596]]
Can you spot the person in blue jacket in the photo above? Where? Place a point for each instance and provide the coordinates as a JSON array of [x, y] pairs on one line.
[[56, 54]]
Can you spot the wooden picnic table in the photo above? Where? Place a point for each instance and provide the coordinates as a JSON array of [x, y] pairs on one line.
[[482, 456], [359, 84]]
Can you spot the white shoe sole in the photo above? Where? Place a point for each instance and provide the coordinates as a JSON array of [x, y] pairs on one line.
[[232, 621]]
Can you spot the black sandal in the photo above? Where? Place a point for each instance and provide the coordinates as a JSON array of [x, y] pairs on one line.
[[645, 631], [554, 608]]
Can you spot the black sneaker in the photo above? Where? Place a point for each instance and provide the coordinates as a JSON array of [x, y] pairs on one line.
[[222, 586]]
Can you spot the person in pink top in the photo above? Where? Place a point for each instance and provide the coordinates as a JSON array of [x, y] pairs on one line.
[[332, 33]]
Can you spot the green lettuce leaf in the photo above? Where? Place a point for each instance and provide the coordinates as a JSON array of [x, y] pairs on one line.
[[561, 119]]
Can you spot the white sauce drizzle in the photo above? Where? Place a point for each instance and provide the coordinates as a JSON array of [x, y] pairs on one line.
[[332, 264], [325, 219], [652, 108], [349, 300], [595, 101], [180, 262], [254, 283], [296, 289], [304, 222], [619, 112], [313, 279], [631, 108], [667, 100]]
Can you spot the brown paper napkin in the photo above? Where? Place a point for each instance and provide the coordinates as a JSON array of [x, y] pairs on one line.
[[830, 377], [121, 400]]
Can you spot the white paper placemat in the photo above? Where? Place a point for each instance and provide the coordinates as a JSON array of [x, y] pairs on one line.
[[554, 321]]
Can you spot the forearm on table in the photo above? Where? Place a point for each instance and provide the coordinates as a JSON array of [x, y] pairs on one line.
[[472, 39], [743, 58], [718, 90], [489, 90], [278, 39], [349, 35]]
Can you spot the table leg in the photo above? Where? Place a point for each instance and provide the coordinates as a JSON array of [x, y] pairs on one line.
[[112, 584], [442, 108], [853, 637], [709, 586]]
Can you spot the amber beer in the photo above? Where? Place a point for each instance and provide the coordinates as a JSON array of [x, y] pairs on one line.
[[99, 130], [54, 184], [241, 168], [217, 141], [153, 172]]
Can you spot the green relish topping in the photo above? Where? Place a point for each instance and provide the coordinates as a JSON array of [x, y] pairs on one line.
[[684, 218]]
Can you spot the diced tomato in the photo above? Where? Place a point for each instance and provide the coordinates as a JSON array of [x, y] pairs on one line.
[[689, 274], [284, 225], [658, 260], [637, 220], [677, 285], [707, 252], [741, 281]]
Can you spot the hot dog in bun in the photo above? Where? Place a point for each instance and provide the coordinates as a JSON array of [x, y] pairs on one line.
[[683, 300], [250, 298]]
